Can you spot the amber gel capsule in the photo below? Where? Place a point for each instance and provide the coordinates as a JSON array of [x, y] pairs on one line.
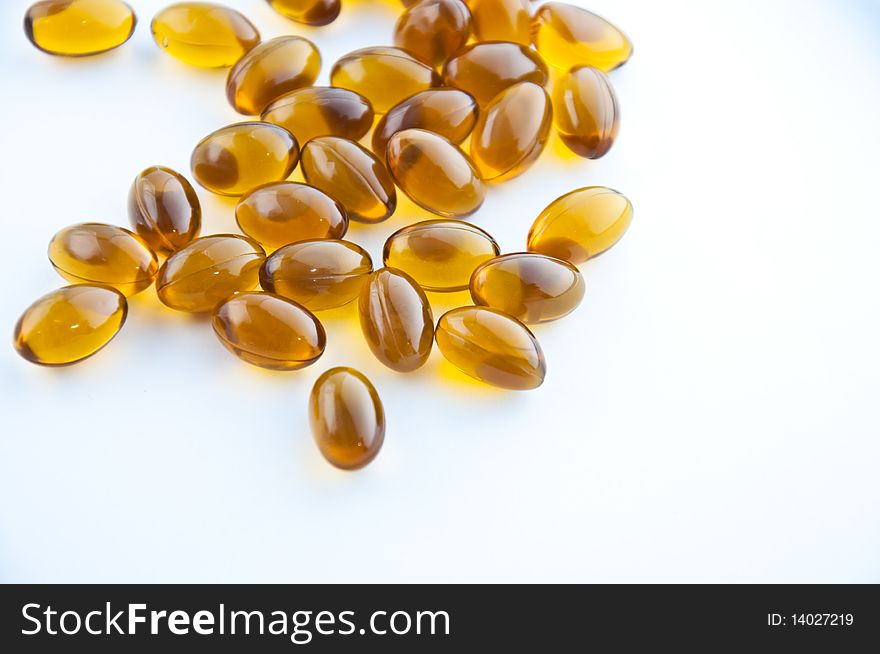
[[310, 12], [586, 116], [347, 418], [77, 28], [486, 69], [103, 254], [163, 209], [70, 324], [581, 224], [501, 20], [321, 111], [433, 30], [491, 346]]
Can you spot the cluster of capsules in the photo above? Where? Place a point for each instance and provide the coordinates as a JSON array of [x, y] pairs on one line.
[[459, 71]]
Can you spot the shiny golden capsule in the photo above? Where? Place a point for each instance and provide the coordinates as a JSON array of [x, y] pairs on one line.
[[69, 324], [581, 224], [103, 254], [568, 36], [208, 270], [310, 12], [269, 331], [396, 319], [78, 28], [435, 173], [347, 418], [433, 30], [237, 158], [321, 111], [163, 209], [586, 113], [491, 346], [501, 20], [486, 69], [529, 286], [440, 255], [319, 274], [352, 175]]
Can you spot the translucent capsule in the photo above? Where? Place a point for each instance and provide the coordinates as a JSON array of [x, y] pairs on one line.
[[486, 69], [310, 12], [269, 331], [568, 36], [396, 319], [163, 209], [512, 131], [237, 158], [321, 111], [270, 70], [77, 28], [433, 30], [586, 113], [351, 174], [103, 254], [383, 75], [581, 224], [440, 255], [284, 212], [531, 287], [347, 418], [204, 34], [448, 112], [435, 173], [491, 346], [319, 274], [208, 270], [501, 20]]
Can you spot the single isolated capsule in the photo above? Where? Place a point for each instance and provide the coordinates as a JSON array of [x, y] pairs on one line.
[[319, 274], [269, 331], [103, 254], [163, 209], [347, 418], [586, 116], [237, 158], [581, 224], [567, 36], [433, 30], [284, 212], [512, 131], [383, 75], [321, 111], [528, 286], [435, 173], [440, 255], [501, 20], [491, 346], [78, 28], [70, 324], [310, 12], [204, 34], [396, 319], [486, 69], [352, 175], [208, 270]]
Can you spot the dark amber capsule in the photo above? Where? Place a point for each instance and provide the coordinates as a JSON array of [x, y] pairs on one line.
[[383, 75], [486, 69], [448, 112], [440, 255], [512, 131], [396, 319], [270, 70], [310, 12], [319, 274], [69, 324], [501, 20], [321, 111], [433, 30], [351, 174], [587, 116], [435, 173], [78, 28], [103, 254], [347, 418], [529, 286], [208, 270], [237, 158], [491, 346], [581, 224], [163, 209], [568, 36], [284, 212], [269, 331]]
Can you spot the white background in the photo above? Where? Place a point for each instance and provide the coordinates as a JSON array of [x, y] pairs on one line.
[[710, 412]]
